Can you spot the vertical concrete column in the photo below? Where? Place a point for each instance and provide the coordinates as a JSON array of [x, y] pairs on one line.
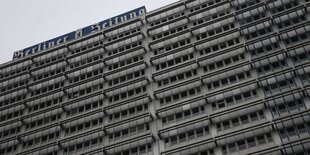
[[153, 105]]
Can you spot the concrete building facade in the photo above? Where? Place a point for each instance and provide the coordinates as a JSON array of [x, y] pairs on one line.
[[196, 77]]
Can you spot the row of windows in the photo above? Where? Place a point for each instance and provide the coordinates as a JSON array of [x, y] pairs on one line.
[[271, 67], [84, 107], [215, 31], [166, 19], [239, 121], [246, 4], [211, 17], [12, 100], [142, 149], [258, 33], [88, 46], [183, 115], [49, 60], [229, 80], [84, 91], [181, 95], [252, 18], [224, 63], [8, 150], [187, 136], [84, 145], [40, 140], [16, 71], [126, 62], [51, 153], [128, 112], [204, 5], [236, 99], [283, 6], [125, 48], [43, 121], [177, 78], [264, 49], [13, 131], [49, 73], [169, 32], [297, 38], [11, 115], [47, 88], [296, 130], [120, 135], [301, 57], [87, 75], [15, 85], [172, 46], [220, 46], [45, 104], [278, 86], [124, 34], [174, 61], [305, 78], [287, 107], [85, 61], [84, 126], [206, 152], [126, 77], [127, 94], [291, 21], [247, 143]]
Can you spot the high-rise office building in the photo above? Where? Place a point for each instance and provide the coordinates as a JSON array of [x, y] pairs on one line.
[[196, 77]]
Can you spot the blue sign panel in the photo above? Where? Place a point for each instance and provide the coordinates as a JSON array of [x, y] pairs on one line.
[[79, 33]]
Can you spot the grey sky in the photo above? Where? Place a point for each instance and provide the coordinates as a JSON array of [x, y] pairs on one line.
[[28, 22]]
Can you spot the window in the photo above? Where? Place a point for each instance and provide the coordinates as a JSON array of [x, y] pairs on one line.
[[124, 34], [253, 17], [11, 115], [287, 107], [128, 112], [298, 36], [191, 134], [233, 100], [126, 62], [126, 78], [125, 95], [171, 46], [183, 115], [169, 32], [228, 81], [213, 32], [176, 97], [166, 19], [83, 126], [282, 7], [258, 33], [124, 48], [223, 63], [211, 17], [278, 86], [174, 62], [116, 136], [85, 144], [46, 120]]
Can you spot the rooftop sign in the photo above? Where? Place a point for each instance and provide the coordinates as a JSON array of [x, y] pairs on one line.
[[79, 33]]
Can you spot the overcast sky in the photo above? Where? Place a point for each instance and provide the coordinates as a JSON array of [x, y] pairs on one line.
[[27, 22]]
